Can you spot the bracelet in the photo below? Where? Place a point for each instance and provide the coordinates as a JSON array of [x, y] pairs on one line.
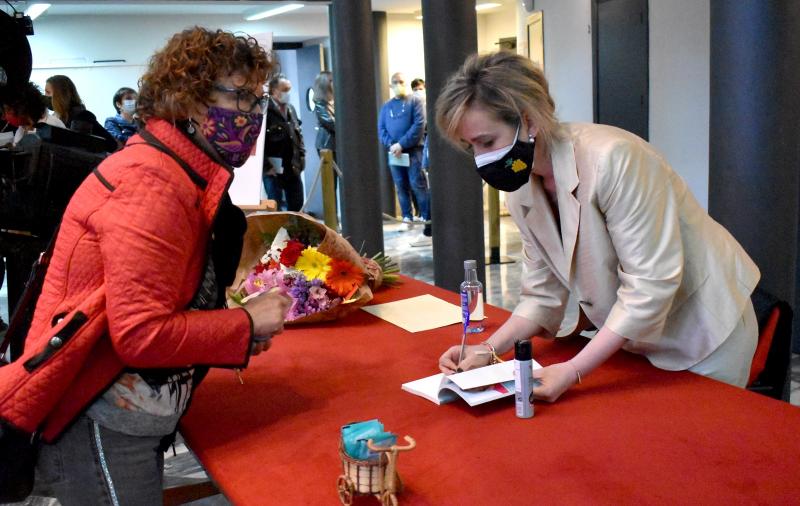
[[495, 358], [577, 372]]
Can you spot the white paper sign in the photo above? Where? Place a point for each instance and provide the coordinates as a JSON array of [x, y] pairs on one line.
[[247, 183]]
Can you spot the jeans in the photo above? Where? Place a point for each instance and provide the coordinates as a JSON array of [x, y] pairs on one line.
[[412, 178], [90, 464]]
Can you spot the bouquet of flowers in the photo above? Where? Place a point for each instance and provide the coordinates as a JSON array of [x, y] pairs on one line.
[[322, 273]]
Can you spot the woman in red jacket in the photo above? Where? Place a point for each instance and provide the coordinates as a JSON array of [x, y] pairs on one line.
[[132, 310]]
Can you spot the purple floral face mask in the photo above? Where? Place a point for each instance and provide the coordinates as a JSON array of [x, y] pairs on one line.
[[232, 133]]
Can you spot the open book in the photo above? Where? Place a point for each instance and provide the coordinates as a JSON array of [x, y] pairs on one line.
[[441, 389]]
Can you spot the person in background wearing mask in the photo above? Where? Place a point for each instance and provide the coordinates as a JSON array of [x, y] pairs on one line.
[[122, 126], [69, 108], [284, 152], [325, 113], [137, 280], [418, 88], [26, 110], [604, 218], [401, 126]]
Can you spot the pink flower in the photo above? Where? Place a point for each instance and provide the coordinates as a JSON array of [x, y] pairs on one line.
[[208, 127], [317, 293]]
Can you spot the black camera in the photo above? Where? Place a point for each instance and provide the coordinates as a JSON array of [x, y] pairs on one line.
[[25, 23]]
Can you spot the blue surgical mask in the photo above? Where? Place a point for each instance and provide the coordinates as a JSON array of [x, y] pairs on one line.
[[129, 106]]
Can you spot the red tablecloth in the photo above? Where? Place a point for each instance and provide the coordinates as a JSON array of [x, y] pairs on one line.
[[630, 434]]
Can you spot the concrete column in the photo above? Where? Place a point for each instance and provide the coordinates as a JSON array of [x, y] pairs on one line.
[[382, 94], [754, 157], [450, 31], [356, 123]]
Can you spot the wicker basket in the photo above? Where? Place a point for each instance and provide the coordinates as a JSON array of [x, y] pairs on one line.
[[378, 477], [367, 476]]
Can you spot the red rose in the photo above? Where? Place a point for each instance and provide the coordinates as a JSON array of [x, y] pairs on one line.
[[291, 252]]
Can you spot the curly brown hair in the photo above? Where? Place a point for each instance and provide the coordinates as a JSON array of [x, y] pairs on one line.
[[181, 75]]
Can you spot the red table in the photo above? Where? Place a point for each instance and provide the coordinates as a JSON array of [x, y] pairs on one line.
[[630, 434]]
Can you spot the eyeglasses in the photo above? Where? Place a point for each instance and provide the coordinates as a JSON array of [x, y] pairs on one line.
[[246, 100]]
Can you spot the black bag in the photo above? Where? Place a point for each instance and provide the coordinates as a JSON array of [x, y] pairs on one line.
[[18, 450]]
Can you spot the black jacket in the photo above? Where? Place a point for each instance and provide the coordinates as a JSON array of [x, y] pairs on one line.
[[284, 139], [85, 122], [326, 131]]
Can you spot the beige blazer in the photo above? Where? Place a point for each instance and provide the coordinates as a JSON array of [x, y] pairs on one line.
[[635, 249]]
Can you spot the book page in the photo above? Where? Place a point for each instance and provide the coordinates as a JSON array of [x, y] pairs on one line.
[[476, 397], [426, 387], [488, 375]]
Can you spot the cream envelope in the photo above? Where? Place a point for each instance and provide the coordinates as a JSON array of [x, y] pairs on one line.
[[424, 312]]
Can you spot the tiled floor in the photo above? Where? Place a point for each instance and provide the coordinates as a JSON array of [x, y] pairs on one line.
[[502, 289]]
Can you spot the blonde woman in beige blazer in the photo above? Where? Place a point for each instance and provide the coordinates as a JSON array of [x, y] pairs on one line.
[[603, 218]]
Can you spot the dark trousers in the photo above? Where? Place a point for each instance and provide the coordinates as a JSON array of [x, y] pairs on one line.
[[20, 253], [286, 190]]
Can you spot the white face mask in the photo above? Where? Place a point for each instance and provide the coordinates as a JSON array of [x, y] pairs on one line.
[[420, 94], [497, 154], [129, 106], [282, 98], [399, 90]]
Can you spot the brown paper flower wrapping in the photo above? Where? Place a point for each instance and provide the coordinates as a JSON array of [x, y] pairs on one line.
[[332, 244]]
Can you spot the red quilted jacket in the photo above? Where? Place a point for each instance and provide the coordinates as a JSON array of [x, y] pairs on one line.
[[129, 257]]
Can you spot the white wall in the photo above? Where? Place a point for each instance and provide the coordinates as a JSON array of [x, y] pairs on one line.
[[406, 51], [496, 25], [679, 77], [568, 57], [69, 44], [405, 48], [679, 87]]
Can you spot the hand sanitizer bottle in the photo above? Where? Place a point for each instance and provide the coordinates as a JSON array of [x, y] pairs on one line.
[[472, 298]]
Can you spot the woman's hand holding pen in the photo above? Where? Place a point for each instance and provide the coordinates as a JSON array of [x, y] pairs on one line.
[[474, 356]]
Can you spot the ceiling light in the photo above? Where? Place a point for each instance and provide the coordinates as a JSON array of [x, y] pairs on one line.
[[485, 6], [36, 10], [274, 12]]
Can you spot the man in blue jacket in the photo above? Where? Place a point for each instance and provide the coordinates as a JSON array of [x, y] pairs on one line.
[[401, 125]]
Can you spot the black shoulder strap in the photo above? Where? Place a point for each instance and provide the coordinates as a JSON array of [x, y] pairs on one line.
[[157, 144]]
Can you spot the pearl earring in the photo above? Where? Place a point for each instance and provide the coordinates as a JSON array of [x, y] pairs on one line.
[[530, 138], [190, 128]]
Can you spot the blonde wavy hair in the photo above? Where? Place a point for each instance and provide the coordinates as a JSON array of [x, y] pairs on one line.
[[508, 85], [182, 74]]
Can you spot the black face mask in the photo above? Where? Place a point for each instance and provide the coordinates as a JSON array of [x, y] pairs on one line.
[[508, 168]]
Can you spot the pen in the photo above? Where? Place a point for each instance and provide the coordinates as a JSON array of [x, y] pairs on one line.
[[463, 345]]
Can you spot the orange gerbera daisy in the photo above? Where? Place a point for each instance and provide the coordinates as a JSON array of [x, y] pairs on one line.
[[343, 278]]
